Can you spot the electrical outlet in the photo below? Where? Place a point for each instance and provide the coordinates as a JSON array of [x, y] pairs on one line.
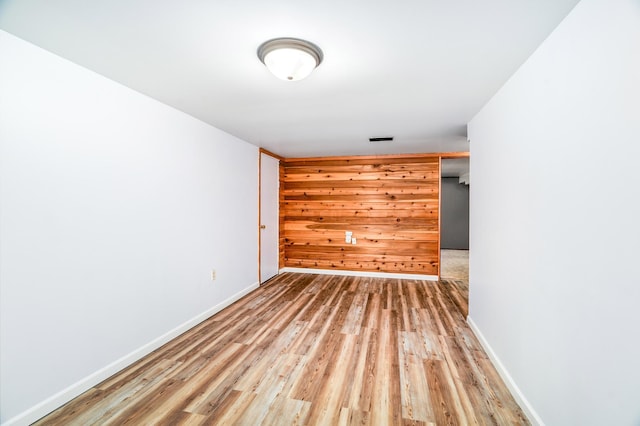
[[347, 236], [213, 275], [353, 241]]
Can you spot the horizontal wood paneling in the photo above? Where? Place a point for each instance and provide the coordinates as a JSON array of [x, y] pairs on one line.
[[389, 203]]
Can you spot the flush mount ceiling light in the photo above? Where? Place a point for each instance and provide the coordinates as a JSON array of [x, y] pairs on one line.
[[290, 59]]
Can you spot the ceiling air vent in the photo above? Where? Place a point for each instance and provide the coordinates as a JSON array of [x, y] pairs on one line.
[[385, 139]]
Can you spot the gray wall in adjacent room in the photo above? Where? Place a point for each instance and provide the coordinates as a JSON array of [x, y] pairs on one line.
[[455, 215]]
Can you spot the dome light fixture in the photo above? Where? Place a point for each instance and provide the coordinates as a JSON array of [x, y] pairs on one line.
[[290, 59]]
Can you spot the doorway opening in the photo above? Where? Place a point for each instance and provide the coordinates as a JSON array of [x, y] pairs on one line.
[[454, 217]]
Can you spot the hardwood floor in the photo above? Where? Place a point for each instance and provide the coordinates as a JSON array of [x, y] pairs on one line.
[[316, 350]]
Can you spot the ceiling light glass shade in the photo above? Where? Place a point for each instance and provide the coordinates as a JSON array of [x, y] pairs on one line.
[[290, 59]]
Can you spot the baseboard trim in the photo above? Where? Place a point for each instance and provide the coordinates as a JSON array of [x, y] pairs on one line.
[[361, 274], [531, 414], [57, 400]]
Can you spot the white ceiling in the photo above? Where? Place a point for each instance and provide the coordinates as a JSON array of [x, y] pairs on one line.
[[417, 70]]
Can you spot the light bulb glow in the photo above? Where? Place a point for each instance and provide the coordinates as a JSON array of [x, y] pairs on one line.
[[290, 64]]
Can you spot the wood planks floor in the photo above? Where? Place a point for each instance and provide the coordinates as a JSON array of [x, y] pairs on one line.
[[314, 350]]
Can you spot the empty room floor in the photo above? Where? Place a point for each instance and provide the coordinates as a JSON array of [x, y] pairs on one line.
[[314, 349]]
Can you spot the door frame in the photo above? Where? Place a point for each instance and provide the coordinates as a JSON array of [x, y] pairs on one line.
[[279, 158]]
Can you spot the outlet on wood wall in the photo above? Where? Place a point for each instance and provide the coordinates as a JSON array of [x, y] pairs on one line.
[[389, 203]]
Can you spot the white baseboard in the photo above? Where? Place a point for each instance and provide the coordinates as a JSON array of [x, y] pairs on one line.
[[531, 414], [48, 405], [361, 274]]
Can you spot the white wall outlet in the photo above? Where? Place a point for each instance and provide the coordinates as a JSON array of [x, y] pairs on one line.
[[213, 275], [347, 236], [353, 240]]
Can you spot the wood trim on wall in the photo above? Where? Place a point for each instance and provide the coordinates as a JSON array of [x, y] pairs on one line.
[[439, 213], [259, 214], [450, 155], [271, 154]]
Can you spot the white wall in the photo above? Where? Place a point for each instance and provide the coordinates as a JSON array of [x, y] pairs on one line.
[[554, 236], [114, 210]]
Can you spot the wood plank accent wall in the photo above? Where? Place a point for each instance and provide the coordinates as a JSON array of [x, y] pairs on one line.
[[390, 203]]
